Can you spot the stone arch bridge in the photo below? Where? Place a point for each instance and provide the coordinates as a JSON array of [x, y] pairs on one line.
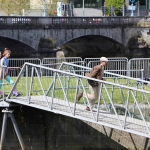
[[30, 30]]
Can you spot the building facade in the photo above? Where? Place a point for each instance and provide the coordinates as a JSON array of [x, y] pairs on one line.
[[82, 7], [144, 4]]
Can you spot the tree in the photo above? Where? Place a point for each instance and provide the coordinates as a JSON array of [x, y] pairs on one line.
[[117, 4], [51, 7], [15, 6]]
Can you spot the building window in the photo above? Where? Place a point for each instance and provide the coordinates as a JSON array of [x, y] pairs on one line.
[[88, 3], [78, 4], [142, 2]]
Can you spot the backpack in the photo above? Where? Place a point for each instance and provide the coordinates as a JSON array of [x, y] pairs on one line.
[[93, 83]]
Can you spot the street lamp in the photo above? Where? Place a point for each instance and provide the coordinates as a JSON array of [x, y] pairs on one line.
[[83, 7], [132, 1], [44, 3]]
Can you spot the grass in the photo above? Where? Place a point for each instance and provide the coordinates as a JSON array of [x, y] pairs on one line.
[[117, 95]]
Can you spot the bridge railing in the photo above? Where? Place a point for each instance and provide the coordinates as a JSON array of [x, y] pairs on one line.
[[58, 93], [66, 22]]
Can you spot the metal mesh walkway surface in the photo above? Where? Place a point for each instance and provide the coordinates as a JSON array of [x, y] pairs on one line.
[[104, 118], [122, 103]]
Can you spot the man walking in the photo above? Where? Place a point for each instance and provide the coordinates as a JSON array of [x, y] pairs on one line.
[[94, 87]]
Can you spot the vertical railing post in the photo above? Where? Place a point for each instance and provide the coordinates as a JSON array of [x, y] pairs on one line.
[[142, 76], [98, 106], [75, 100], [27, 92]]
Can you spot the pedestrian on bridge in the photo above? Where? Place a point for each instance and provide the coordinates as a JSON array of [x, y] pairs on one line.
[[5, 62], [94, 86], [1, 82]]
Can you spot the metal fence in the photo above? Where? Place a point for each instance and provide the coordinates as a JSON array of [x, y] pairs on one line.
[[56, 62], [135, 67], [117, 65], [142, 65], [16, 64]]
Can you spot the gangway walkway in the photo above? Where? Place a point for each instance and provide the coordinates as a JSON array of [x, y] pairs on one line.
[[57, 93]]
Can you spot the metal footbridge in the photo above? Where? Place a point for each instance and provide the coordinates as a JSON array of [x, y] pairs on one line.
[[122, 104]]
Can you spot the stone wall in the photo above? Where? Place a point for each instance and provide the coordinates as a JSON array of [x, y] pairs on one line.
[[43, 130]]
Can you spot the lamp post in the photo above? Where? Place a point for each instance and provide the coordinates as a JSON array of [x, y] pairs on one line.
[[138, 4], [132, 1], [83, 7], [44, 3]]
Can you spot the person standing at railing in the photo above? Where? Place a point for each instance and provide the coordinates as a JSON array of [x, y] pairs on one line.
[[94, 86], [5, 62]]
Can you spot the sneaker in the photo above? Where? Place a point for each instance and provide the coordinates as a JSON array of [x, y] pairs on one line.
[[88, 109], [19, 94], [79, 96]]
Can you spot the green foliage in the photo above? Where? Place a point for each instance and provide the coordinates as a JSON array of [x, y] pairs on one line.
[[51, 9], [117, 4], [46, 43], [15, 6]]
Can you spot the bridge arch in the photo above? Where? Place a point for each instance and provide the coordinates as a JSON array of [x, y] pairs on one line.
[[64, 36], [28, 37], [19, 49], [92, 46], [32, 37]]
